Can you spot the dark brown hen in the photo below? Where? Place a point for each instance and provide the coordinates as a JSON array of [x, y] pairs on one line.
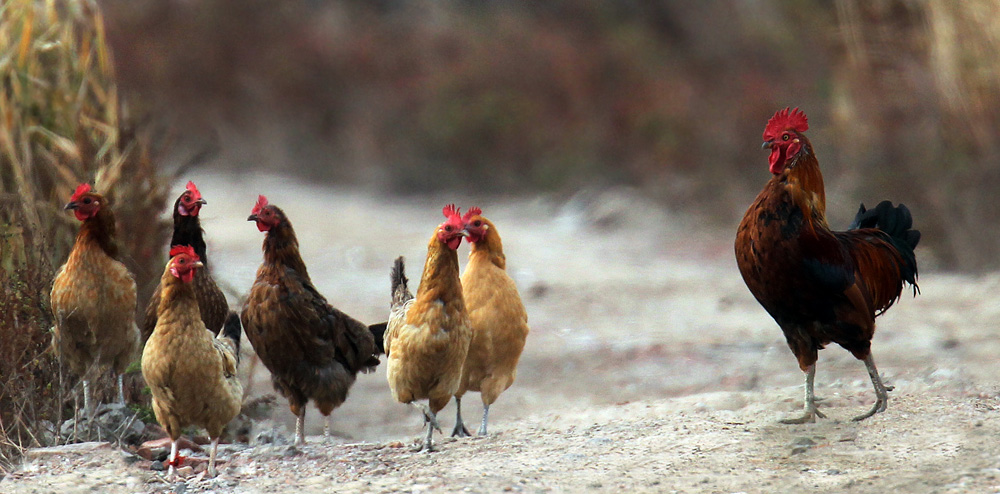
[[313, 350]]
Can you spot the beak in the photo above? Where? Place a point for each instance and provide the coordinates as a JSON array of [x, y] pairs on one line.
[[253, 217], [71, 205], [767, 145], [197, 264], [201, 201], [464, 232]]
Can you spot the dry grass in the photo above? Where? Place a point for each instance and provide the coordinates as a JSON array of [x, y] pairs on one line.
[[61, 123]]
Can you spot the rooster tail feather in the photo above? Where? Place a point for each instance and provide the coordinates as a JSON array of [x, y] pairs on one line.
[[232, 330], [896, 223]]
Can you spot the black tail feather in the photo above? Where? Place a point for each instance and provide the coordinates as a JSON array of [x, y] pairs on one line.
[[378, 332], [232, 330], [897, 222]]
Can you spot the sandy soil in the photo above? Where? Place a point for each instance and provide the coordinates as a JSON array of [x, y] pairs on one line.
[[649, 366]]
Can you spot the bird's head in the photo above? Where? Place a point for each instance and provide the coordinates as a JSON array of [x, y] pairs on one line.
[[184, 262], [476, 225], [452, 230], [783, 136], [190, 202], [85, 202], [266, 215]]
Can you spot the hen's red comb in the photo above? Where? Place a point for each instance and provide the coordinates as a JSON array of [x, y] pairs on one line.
[[261, 204], [473, 211], [80, 191], [194, 190], [450, 211], [783, 120], [184, 249]]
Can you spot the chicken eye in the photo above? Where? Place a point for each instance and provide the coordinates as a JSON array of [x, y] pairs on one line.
[[88, 200], [784, 137], [477, 223], [447, 228]]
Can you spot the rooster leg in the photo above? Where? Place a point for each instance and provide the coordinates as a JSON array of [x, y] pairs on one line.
[[486, 414], [430, 418], [811, 412], [326, 429], [300, 422], [881, 395], [460, 430], [211, 458]]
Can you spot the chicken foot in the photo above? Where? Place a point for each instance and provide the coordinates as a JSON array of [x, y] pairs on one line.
[[486, 414], [881, 391], [172, 460], [460, 430], [430, 418], [810, 414]]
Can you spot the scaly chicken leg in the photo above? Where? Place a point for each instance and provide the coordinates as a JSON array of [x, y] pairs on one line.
[[121, 390], [300, 422], [460, 430], [881, 394], [211, 458], [810, 402], [486, 414], [172, 461]]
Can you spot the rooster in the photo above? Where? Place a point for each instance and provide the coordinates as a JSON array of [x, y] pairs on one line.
[[497, 317], [191, 373], [821, 286], [93, 298], [427, 338], [313, 350], [187, 231]]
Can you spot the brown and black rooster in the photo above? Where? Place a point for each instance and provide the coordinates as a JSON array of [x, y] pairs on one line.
[[313, 350], [819, 285]]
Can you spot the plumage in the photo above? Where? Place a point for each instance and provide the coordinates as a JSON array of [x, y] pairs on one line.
[[187, 231], [427, 337], [819, 285], [497, 317], [93, 297], [191, 372], [313, 350]]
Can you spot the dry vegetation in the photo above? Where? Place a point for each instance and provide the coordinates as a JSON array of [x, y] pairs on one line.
[[61, 124]]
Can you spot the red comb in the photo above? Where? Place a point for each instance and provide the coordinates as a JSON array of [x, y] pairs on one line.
[[80, 191], [473, 211], [261, 204], [783, 120], [183, 249], [451, 211], [194, 190]]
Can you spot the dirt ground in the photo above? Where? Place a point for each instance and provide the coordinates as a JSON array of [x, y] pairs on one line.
[[650, 368]]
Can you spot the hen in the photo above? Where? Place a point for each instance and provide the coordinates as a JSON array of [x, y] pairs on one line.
[[93, 298], [191, 373], [497, 317], [427, 338], [187, 231], [821, 286], [313, 350]]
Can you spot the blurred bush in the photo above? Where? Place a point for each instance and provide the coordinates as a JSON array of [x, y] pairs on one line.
[[61, 124], [520, 96]]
